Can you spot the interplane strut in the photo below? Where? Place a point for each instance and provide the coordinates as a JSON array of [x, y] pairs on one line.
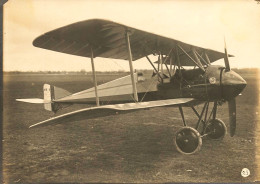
[[94, 76], [131, 64]]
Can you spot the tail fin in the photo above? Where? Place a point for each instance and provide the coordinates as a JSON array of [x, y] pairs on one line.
[[48, 96], [51, 93]]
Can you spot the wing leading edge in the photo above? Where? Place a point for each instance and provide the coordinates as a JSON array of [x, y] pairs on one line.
[[107, 40], [106, 110]]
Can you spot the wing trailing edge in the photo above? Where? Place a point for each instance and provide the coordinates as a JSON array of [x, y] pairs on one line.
[[106, 110]]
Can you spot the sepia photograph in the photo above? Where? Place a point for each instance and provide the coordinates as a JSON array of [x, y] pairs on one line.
[[131, 91]]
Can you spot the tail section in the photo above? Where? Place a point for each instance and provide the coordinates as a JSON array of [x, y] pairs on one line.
[[52, 93], [48, 96]]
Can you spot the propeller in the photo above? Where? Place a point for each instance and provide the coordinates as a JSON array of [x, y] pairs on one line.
[[226, 58], [232, 116], [232, 102]]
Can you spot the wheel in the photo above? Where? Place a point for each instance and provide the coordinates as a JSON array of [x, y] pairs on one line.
[[216, 129], [188, 140]]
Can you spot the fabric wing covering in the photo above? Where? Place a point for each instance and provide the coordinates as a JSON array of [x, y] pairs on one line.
[[107, 40], [106, 110]]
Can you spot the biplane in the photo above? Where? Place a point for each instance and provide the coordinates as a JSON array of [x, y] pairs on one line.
[[183, 77]]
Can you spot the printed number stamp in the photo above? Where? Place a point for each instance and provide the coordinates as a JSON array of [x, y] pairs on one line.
[[245, 172]]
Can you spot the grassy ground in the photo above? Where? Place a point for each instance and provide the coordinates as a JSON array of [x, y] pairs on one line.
[[134, 147]]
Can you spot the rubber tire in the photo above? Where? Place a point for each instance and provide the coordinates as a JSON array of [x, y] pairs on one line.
[[192, 136], [221, 128]]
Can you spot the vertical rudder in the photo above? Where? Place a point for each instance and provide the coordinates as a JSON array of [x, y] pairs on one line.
[[48, 96]]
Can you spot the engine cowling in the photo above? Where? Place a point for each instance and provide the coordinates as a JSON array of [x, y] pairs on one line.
[[224, 84]]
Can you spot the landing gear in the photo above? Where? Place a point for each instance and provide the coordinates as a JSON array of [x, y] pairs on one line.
[[188, 140], [216, 129]]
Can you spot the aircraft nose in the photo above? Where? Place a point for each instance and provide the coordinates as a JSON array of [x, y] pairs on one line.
[[232, 84]]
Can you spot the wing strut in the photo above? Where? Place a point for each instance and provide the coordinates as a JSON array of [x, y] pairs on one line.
[[207, 57], [191, 58], [178, 61], [196, 57], [205, 62], [157, 72], [164, 62], [131, 64], [161, 63], [171, 65], [94, 76]]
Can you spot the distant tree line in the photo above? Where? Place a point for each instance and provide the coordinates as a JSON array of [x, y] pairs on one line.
[[84, 72], [81, 72]]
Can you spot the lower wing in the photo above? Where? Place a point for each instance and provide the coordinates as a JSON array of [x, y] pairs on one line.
[[107, 110]]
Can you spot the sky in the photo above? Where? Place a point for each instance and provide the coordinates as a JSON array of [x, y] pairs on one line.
[[197, 22]]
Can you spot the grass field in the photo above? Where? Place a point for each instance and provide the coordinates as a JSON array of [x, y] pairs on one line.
[[134, 147]]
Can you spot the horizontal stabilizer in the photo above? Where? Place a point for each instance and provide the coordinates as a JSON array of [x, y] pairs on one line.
[[106, 110], [33, 100], [50, 93]]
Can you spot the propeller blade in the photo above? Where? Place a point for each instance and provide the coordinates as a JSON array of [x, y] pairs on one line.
[[226, 58], [232, 116]]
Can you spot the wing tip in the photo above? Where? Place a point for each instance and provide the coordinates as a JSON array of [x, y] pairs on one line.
[[36, 125], [32, 126]]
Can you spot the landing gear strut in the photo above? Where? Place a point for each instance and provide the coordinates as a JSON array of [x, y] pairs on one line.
[[188, 140]]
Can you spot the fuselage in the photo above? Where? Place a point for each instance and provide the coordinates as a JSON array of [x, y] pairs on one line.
[[216, 83]]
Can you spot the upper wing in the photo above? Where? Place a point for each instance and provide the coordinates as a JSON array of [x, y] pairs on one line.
[[107, 40], [106, 110]]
